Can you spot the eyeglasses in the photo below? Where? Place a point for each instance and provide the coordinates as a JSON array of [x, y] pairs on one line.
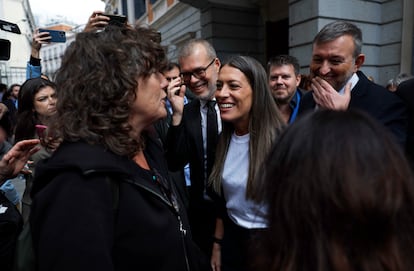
[[198, 73]]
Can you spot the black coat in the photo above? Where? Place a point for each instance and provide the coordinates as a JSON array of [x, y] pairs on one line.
[[381, 104], [406, 92], [74, 224]]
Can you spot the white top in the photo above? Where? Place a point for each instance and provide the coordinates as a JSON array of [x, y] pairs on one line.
[[243, 212], [353, 80]]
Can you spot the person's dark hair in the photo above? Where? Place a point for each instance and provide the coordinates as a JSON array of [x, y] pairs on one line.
[[281, 60], [98, 80], [170, 66], [337, 29], [264, 125], [27, 118], [340, 196]]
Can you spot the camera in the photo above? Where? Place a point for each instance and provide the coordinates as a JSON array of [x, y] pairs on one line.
[[5, 44], [116, 19]]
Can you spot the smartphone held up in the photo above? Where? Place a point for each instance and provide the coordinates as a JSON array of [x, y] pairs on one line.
[[55, 35]]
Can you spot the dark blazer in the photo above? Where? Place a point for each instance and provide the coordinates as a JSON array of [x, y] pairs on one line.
[[377, 101], [406, 92], [185, 145]]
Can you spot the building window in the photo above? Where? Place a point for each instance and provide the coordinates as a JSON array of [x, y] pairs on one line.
[[153, 2], [140, 8], [124, 7]]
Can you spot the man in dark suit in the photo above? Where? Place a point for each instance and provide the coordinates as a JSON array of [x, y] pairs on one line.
[[188, 133], [338, 84]]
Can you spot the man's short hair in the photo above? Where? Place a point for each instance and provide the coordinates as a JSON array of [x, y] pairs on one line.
[[281, 60]]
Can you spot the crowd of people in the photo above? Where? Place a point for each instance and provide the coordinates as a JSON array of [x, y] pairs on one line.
[[139, 163]]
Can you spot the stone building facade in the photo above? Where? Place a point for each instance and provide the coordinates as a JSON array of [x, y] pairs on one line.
[[262, 28]]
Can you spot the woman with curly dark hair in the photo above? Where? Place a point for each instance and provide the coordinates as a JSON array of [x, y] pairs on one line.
[[109, 203], [340, 197]]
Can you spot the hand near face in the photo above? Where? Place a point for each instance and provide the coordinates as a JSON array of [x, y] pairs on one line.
[[175, 94], [38, 39], [327, 97]]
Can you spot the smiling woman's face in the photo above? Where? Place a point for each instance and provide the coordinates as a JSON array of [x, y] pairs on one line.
[[234, 97]]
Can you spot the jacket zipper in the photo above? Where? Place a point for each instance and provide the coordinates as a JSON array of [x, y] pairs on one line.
[[174, 205]]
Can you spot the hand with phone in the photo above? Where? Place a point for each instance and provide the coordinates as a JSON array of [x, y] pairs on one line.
[[48, 139], [176, 96], [38, 39], [99, 20], [54, 35]]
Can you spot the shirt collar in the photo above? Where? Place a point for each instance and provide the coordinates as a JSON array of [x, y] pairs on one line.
[[353, 80], [294, 101]]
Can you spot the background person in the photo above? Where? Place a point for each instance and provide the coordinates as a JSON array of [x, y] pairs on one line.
[[34, 67], [180, 177], [37, 106], [10, 99], [333, 204], [284, 80]]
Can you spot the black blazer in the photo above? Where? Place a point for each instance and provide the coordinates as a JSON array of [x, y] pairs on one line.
[[375, 100], [185, 145]]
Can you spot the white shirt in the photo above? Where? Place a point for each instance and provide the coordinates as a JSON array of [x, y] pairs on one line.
[[243, 212], [353, 80]]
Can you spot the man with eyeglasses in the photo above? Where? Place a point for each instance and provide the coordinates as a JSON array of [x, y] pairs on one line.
[[192, 137]]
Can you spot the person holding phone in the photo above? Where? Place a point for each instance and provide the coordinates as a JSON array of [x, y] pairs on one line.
[[34, 68], [37, 105], [99, 20]]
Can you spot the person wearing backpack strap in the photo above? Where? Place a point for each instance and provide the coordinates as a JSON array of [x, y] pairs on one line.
[[110, 92]]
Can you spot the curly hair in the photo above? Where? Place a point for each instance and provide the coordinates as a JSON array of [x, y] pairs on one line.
[[97, 81]]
